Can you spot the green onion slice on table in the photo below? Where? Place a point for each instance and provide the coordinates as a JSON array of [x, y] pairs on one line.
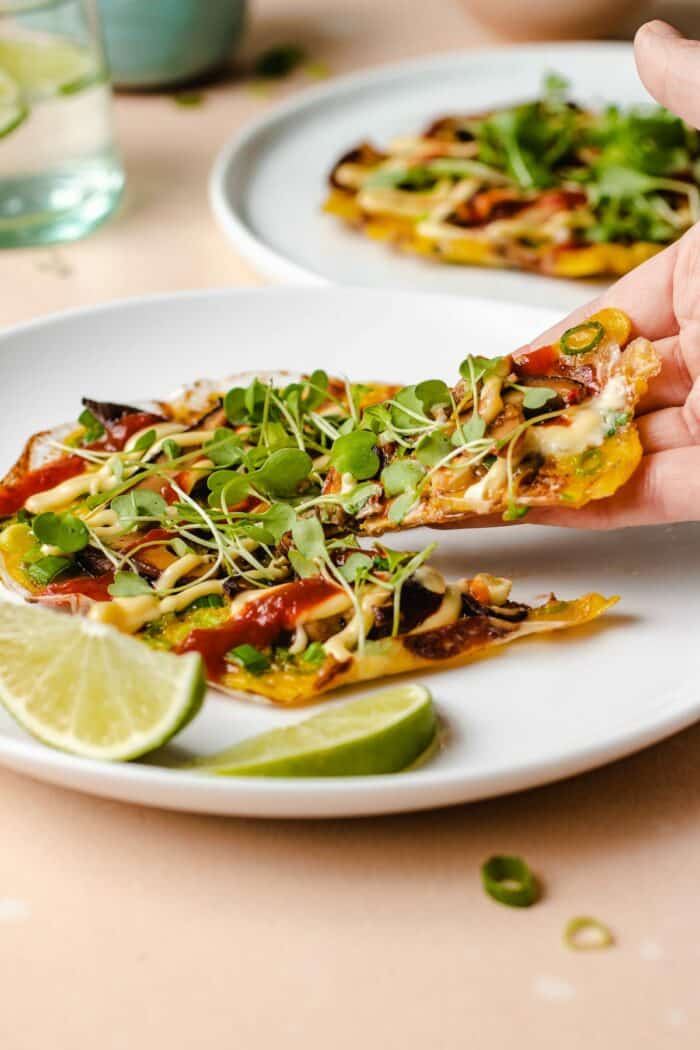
[[509, 881], [585, 933]]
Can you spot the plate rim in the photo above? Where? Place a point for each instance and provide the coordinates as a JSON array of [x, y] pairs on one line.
[[309, 798], [266, 260]]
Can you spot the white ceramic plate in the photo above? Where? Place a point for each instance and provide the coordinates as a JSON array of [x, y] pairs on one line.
[[268, 183], [539, 710]]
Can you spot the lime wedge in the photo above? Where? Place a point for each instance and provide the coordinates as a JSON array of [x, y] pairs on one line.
[[85, 688], [12, 107], [46, 69], [381, 733]]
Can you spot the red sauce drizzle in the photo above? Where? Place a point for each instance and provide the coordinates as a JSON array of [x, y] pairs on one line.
[[260, 623], [94, 587], [539, 362], [119, 432], [15, 495]]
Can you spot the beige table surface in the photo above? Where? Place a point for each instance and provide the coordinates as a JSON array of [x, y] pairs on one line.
[[129, 929]]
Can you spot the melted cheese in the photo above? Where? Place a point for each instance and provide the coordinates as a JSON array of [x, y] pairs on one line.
[[587, 430]]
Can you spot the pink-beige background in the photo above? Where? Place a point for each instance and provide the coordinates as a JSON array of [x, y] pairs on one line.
[[130, 929]]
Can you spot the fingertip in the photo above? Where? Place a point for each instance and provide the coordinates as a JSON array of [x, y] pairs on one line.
[[656, 28]]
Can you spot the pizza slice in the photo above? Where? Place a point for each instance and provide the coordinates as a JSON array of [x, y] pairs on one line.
[[546, 186], [194, 524], [552, 427]]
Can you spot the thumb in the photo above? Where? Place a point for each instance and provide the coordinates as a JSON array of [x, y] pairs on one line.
[[669, 65]]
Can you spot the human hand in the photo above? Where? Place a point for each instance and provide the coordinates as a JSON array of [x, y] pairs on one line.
[[663, 299]]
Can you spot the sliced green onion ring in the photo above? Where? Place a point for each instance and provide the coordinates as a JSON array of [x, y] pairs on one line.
[[509, 881], [584, 934], [582, 337]]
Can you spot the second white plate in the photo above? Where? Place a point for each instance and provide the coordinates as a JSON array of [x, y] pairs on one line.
[[269, 182]]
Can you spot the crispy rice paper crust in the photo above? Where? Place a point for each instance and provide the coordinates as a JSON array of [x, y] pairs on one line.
[[446, 647]]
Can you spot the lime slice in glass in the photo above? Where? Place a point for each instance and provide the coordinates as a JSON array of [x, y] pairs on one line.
[[85, 688], [42, 70], [381, 733], [12, 107]]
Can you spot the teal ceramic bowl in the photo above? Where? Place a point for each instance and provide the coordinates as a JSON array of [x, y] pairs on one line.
[[158, 43]]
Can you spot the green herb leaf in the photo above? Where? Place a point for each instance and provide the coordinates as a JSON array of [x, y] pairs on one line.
[[171, 449], [44, 570], [227, 487], [358, 497], [483, 367], [354, 454], [376, 418], [308, 537], [400, 475], [128, 585], [283, 472], [65, 531], [472, 430], [355, 567], [145, 441], [137, 504], [401, 506], [408, 398], [278, 61], [538, 396], [509, 881], [315, 391], [225, 449], [302, 566], [249, 658], [235, 406], [431, 393], [278, 520], [93, 428], [432, 448]]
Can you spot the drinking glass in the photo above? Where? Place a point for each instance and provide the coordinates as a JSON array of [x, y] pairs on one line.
[[60, 172]]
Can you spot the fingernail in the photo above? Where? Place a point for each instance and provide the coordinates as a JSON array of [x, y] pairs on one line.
[[659, 28]]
